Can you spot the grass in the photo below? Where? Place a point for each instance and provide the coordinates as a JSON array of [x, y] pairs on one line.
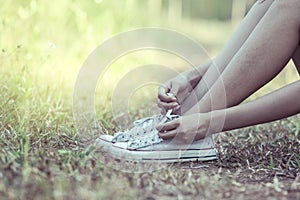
[[42, 156]]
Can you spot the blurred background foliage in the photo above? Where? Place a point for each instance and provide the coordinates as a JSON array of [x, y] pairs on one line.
[[44, 43]]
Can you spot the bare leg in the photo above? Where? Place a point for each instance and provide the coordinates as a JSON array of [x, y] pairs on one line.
[[230, 49], [267, 50]]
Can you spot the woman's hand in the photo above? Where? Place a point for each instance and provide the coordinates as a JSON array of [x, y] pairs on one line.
[[187, 128], [179, 87]]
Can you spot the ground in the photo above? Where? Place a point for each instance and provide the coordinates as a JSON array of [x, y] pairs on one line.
[[260, 162]]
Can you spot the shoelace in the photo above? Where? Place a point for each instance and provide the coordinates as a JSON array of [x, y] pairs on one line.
[[153, 137], [140, 129], [144, 132]]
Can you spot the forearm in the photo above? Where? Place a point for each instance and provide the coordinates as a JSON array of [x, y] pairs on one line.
[[194, 75], [277, 105]]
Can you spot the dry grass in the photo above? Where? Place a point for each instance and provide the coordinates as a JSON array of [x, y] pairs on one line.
[[45, 160]]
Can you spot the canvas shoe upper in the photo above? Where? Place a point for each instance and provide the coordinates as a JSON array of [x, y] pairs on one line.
[[144, 131]]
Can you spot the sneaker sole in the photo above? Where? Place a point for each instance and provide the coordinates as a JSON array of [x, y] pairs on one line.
[[176, 155]]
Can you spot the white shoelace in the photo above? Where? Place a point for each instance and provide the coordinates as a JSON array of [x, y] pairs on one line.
[[144, 132]]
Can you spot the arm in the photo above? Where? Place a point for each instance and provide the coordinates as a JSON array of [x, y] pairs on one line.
[[277, 105], [194, 75], [180, 86]]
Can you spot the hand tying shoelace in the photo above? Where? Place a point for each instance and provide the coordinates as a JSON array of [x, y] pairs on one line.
[[151, 137], [144, 128], [144, 132]]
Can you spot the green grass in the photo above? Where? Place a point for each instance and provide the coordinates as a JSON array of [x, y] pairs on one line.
[[42, 156]]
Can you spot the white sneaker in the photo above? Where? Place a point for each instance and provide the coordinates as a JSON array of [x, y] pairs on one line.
[[142, 143], [165, 151]]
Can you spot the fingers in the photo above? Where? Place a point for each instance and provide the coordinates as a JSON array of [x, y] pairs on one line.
[[168, 130], [168, 135], [166, 101], [168, 105], [162, 94], [168, 126]]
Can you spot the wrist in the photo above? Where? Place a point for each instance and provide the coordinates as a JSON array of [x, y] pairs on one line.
[[194, 75], [216, 120]]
